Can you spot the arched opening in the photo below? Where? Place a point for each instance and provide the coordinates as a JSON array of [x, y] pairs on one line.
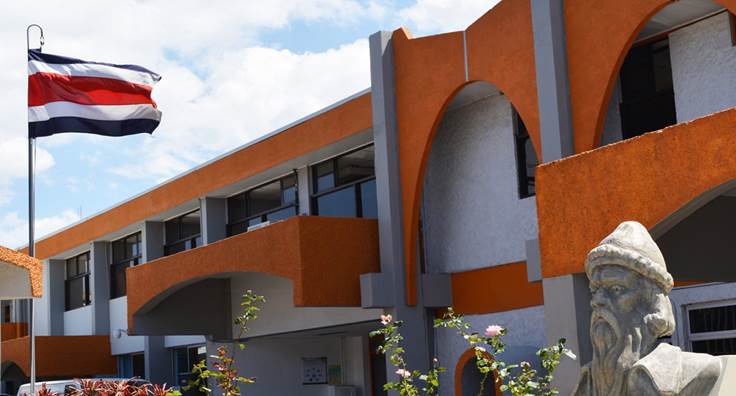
[[12, 378], [480, 170], [679, 68], [469, 381]]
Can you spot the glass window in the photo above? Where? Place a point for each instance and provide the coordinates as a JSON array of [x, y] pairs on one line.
[[276, 200], [184, 359], [77, 282], [712, 329], [526, 159], [183, 233], [126, 252], [345, 186]]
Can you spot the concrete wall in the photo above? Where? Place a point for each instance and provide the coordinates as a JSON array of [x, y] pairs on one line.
[[703, 68], [612, 125], [276, 362], [473, 216], [79, 321], [177, 341], [119, 320], [279, 315], [526, 336]]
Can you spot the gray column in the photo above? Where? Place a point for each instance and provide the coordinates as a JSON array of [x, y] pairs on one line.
[[153, 240], [304, 188], [157, 360], [214, 219], [566, 315], [100, 286], [56, 296], [555, 116], [390, 282]]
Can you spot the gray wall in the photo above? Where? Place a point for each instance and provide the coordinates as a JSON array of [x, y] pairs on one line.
[[473, 216], [703, 68], [526, 336]]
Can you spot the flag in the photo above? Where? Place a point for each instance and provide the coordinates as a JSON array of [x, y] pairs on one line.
[[73, 95]]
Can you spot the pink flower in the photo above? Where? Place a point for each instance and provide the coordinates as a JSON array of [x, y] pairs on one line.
[[493, 330], [386, 319], [402, 372]]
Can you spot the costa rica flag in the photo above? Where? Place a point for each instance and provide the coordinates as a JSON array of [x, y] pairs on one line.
[[73, 95]]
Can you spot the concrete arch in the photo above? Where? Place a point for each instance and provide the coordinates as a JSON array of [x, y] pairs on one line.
[[599, 36], [466, 361]]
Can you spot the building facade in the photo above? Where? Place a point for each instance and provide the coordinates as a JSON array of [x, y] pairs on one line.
[[475, 172]]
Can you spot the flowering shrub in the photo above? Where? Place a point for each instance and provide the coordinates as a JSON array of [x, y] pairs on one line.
[[98, 387], [517, 379], [223, 369]]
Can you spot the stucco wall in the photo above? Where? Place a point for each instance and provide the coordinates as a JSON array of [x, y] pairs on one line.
[[79, 321], [473, 216], [119, 320], [276, 362], [703, 68], [526, 336], [278, 314]]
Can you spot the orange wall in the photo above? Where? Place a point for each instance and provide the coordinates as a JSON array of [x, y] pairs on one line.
[[322, 130], [494, 289], [13, 330], [581, 199], [63, 356], [431, 70], [323, 256]]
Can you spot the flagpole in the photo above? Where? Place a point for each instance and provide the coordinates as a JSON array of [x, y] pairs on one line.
[[31, 218]]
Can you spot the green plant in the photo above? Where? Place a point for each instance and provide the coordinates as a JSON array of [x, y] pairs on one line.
[[406, 384], [223, 371], [517, 379]]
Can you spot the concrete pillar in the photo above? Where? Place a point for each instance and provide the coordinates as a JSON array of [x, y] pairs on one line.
[[157, 360], [213, 219], [567, 315], [390, 282], [100, 286], [305, 206], [153, 240], [553, 87], [56, 292]]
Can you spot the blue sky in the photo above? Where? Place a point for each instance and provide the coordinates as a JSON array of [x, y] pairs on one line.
[[232, 71]]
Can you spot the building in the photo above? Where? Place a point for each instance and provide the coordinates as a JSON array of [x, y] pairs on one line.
[[424, 192]]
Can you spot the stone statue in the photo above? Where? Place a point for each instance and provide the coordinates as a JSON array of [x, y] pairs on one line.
[[629, 284]]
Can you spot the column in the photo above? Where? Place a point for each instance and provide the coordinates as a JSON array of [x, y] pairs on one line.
[[214, 219], [56, 291], [100, 287]]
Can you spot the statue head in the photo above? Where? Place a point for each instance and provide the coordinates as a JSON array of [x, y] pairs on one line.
[[629, 284]]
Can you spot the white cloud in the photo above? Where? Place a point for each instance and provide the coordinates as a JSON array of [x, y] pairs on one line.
[[14, 229], [14, 163], [436, 16]]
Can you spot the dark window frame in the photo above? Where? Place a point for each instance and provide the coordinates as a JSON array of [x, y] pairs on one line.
[[86, 294], [315, 194], [263, 215], [527, 185], [125, 262], [194, 239]]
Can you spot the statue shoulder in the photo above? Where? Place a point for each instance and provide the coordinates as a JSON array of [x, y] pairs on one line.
[[669, 370]]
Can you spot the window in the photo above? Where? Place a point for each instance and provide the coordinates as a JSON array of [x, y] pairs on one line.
[[126, 253], [76, 284], [183, 233], [132, 365], [184, 359], [526, 158], [647, 93], [346, 186], [712, 329], [273, 201]]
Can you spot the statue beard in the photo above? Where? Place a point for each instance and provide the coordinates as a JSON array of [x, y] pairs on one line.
[[615, 350]]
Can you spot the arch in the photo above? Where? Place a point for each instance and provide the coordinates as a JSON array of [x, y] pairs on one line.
[[648, 179], [429, 72], [468, 358], [601, 34], [294, 249]]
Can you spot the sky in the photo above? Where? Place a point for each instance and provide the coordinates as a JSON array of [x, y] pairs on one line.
[[233, 70]]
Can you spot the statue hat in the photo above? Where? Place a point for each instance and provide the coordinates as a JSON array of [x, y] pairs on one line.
[[631, 246]]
